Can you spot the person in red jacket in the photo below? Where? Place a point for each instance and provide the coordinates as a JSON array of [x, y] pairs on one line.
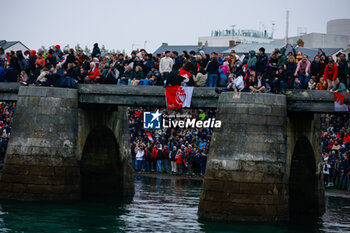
[[330, 74], [93, 74], [154, 158], [179, 160], [346, 138]]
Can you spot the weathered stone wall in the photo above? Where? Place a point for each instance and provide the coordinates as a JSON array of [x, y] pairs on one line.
[[45, 152], [246, 170], [306, 183], [117, 176], [41, 161]]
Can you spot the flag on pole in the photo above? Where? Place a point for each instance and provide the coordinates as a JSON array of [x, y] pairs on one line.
[[178, 97], [149, 135], [339, 105]]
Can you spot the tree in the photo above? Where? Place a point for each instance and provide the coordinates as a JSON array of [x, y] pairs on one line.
[[77, 47], [87, 50], [103, 49], [43, 49]]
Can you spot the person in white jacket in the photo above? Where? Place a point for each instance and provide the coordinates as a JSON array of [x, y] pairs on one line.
[[238, 83], [139, 158], [235, 84], [165, 66]]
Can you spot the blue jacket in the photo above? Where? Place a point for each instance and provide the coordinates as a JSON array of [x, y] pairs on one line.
[[11, 75], [2, 73]]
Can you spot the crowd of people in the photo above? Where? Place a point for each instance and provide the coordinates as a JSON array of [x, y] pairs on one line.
[[184, 151], [180, 151], [336, 150], [6, 116], [256, 72]]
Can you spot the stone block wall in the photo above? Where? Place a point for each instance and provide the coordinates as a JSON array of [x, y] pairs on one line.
[[111, 122], [41, 161], [246, 169]]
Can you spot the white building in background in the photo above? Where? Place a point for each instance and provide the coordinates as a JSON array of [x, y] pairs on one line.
[[337, 36], [12, 46], [231, 37]]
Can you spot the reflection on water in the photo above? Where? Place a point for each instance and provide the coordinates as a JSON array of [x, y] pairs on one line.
[[163, 205]]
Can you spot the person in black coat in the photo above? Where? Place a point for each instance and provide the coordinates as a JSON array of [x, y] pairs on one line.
[[261, 61], [96, 51], [317, 68], [70, 58], [51, 59], [10, 74], [213, 71]]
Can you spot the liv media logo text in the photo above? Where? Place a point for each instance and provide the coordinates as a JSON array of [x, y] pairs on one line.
[[153, 120]]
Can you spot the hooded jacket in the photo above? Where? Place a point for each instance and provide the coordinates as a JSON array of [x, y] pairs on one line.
[[252, 60]]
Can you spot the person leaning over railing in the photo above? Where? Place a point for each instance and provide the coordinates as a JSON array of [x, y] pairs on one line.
[[338, 86]]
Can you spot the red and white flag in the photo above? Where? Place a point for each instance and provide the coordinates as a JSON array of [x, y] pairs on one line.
[[185, 74], [178, 97], [339, 105], [149, 135]]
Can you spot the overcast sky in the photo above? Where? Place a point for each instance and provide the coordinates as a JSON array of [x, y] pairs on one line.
[[120, 23]]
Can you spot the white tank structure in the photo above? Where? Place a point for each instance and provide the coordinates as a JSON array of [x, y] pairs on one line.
[[339, 27]]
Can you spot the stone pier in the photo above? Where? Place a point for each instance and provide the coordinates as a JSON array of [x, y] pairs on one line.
[[59, 150], [264, 163], [247, 177]]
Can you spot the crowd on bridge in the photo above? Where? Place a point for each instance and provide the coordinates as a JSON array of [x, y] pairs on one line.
[[178, 151], [256, 72], [335, 145]]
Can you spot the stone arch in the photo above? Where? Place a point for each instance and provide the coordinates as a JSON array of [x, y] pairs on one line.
[[100, 166], [104, 152], [303, 194], [304, 166]]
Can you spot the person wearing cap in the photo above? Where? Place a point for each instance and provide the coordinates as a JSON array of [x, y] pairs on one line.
[[224, 72], [57, 50]]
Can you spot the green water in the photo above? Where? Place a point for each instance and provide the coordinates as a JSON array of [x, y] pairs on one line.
[[161, 205]]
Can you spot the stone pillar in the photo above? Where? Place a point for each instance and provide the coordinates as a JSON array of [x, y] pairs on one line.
[[41, 161], [105, 171], [246, 169], [304, 157]]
